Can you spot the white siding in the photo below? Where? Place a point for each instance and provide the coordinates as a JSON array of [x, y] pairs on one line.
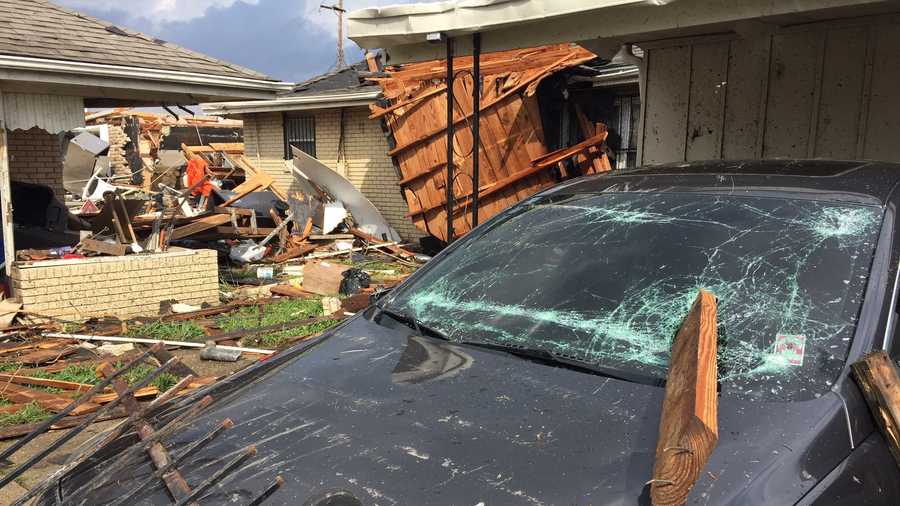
[[821, 90], [51, 113]]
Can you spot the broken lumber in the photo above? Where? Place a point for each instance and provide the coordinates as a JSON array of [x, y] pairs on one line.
[[51, 402], [106, 248], [259, 181], [688, 427], [200, 225], [879, 381], [44, 382]]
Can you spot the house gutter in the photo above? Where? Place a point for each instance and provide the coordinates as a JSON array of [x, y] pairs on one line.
[[324, 101], [27, 64]]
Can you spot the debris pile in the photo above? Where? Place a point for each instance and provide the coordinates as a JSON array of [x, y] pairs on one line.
[[210, 196], [513, 157]]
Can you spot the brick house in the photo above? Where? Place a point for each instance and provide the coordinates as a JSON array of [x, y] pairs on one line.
[[327, 117], [53, 63]]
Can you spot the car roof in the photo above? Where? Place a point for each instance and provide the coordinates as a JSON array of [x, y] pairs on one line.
[[855, 180]]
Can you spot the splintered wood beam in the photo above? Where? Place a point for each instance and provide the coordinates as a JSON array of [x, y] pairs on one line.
[[879, 380], [688, 428]]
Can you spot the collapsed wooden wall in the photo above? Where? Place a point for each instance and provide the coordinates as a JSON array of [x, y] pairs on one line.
[[510, 131]]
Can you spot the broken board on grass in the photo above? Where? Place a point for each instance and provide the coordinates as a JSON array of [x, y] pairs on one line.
[[688, 427]]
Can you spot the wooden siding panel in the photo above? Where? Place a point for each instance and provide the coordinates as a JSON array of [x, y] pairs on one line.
[[842, 88], [667, 102], [883, 125], [709, 64], [747, 76], [792, 90]]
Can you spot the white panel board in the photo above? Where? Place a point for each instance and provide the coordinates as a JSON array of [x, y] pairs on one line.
[[51, 113]]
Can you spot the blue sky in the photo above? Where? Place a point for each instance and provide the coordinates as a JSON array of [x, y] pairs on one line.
[[286, 39]]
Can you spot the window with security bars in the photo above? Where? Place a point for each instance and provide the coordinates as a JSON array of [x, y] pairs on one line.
[[299, 132]]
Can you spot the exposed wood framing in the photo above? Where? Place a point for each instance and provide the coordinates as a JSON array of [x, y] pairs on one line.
[[6, 209]]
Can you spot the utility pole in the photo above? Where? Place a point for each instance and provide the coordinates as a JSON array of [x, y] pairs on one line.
[[338, 9]]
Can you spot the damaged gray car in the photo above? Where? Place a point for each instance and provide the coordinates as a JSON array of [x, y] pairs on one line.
[[526, 363]]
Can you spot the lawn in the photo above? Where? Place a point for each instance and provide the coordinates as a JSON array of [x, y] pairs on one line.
[[281, 311]]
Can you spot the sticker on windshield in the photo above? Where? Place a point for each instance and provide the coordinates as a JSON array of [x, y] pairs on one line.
[[790, 348]]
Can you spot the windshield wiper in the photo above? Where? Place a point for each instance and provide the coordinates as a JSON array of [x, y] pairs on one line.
[[550, 358], [535, 354]]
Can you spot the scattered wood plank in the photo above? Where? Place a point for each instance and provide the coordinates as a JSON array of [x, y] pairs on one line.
[[258, 181], [44, 382], [40, 357], [291, 253], [199, 225], [104, 247], [290, 291], [688, 428], [879, 380], [141, 393], [66, 423], [51, 402], [393, 248]]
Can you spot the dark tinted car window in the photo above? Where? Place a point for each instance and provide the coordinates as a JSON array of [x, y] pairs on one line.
[[607, 279]]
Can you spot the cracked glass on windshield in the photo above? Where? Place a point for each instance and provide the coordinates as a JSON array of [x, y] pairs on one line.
[[606, 279]]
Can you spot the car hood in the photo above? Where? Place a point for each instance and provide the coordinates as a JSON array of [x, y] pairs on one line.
[[396, 418]]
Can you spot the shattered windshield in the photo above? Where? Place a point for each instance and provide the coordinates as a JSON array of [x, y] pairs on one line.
[[606, 279]]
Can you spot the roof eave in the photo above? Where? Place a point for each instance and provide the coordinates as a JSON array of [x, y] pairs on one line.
[[302, 103], [86, 75], [504, 26]]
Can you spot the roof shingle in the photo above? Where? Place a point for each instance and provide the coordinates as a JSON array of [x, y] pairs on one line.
[[40, 29]]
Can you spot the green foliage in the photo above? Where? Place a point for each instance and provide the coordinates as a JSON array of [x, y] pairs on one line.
[[171, 331], [282, 311], [31, 413]]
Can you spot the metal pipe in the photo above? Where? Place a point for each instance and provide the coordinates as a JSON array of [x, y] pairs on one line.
[[40, 429], [218, 475], [449, 185], [271, 489], [476, 122], [190, 450], [15, 473]]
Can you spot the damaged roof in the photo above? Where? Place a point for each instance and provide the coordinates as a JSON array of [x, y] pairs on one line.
[[345, 79], [40, 29], [342, 87]]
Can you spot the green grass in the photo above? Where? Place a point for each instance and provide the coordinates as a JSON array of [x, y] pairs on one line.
[[171, 331], [282, 311], [31, 413], [81, 373], [77, 373]]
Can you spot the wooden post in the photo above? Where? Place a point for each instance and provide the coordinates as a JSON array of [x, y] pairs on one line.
[[6, 208], [688, 429], [879, 381]]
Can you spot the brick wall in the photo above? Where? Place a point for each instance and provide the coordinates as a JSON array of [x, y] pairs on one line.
[[133, 285], [35, 157], [364, 160], [117, 159]]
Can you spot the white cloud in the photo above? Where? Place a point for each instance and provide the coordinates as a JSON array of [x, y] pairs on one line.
[[156, 10]]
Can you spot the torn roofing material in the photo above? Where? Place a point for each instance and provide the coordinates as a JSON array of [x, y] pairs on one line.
[[366, 215]]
